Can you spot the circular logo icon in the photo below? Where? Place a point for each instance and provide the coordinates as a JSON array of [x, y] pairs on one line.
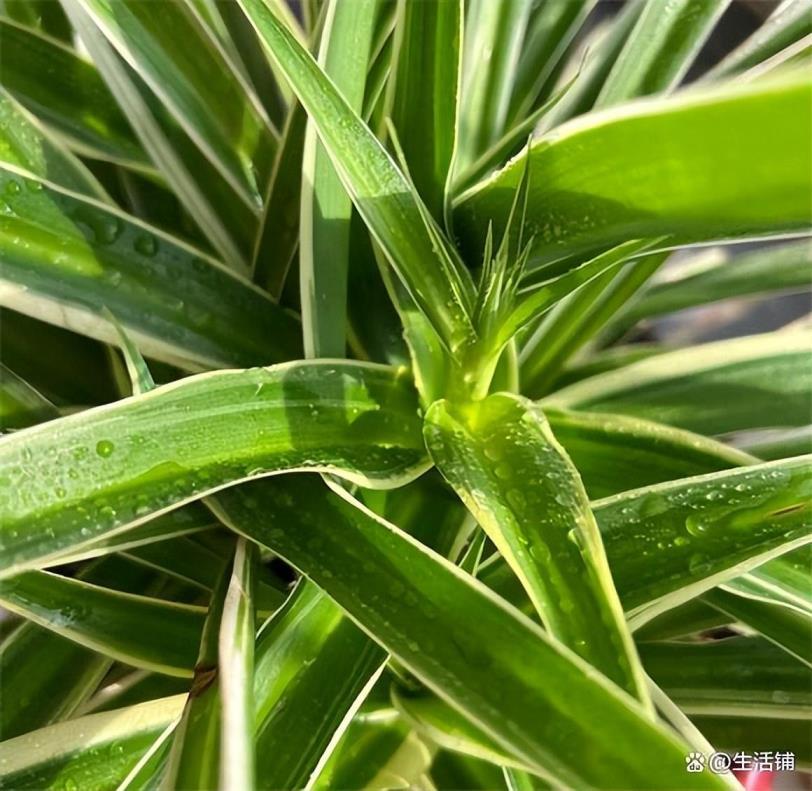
[[719, 762]]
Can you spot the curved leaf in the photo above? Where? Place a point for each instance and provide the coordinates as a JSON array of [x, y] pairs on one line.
[[44, 677], [65, 257], [598, 62], [786, 626], [741, 677], [224, 216], [659, 167], [790, 22], [781, 444], [98, 472], [711, 389], [137, 630], [24, 143], [313, 668], [502, 459], [535, 697], [678, 538], [197, 82], [95, 752], [615, 453], [184, 521], [764, 271], [439, 723], [738, 676], [66, 92], [577, 317], [660, 48], [669, 542], [422, 258], [376, 753], [550, 32]]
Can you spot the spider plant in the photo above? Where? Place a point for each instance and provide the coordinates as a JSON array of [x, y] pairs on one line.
[[333, 456]]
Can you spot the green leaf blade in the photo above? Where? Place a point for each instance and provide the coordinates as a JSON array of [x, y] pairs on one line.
[[543, 528], [713, 388], [96, 751], [426, 94], [660, 48], [457, 639], [138, 457], [326, 208], [689, 181], [384, 199], [110, 622], [67, 257]]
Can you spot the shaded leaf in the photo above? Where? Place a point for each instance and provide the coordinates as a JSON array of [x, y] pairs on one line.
[[415, 248], [138, 630], [711, 389]]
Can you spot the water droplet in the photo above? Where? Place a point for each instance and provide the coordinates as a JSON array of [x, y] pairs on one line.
[[146, 245], [540, 552], [516, 499], [503, 471], [105, 448], [13, 187], [681, 541], [493, 453], [699, 564], [696, 525], [108, 230]]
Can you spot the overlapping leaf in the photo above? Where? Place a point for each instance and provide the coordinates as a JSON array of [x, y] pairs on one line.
[[457, 639], [90, 475], [662, 167]]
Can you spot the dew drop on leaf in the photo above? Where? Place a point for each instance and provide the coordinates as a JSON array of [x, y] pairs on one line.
[[696, 525], [105, 448], [146, 245]]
